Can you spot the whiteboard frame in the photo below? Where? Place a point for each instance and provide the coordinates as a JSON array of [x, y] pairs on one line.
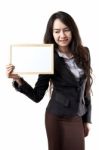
[[34, 46]]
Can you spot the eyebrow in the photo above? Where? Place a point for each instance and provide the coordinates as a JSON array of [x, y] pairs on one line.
[[60, 29]]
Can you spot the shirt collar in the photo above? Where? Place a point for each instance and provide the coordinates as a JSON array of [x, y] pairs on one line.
[[63, 55]]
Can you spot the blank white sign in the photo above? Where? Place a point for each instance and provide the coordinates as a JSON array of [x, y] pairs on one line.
[[29, 59]]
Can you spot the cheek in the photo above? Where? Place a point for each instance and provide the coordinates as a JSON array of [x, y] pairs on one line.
[[55, 37], [70, 35]]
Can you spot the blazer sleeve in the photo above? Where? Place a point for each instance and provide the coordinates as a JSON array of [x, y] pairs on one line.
[[36, 93], [87, 116]]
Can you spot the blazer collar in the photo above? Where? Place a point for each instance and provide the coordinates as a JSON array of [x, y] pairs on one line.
[[64, 55]]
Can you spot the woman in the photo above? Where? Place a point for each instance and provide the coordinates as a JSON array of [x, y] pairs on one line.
[[68, 113]]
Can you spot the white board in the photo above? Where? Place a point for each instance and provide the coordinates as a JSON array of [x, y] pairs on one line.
[[30, 59]]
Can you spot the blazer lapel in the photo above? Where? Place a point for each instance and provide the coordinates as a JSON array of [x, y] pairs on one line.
[[63, 68]]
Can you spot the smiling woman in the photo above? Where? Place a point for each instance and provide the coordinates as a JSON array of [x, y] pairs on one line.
[[68, 113]]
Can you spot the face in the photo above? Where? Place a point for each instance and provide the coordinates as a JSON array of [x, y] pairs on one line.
[[62, 34]]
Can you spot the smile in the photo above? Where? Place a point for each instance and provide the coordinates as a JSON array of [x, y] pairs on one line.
[[64, 40]]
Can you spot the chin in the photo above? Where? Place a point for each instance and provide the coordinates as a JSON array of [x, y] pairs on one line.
[[64, 45]]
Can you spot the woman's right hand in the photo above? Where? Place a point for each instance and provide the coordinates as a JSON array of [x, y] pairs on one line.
[[9, 71]]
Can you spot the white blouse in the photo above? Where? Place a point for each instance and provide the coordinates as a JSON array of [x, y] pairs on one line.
[[78, 72]]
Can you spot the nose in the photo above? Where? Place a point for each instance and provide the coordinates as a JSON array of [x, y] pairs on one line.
[[62, 34]]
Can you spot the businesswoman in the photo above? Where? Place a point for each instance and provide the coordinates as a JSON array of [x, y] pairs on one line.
[[68, 114]]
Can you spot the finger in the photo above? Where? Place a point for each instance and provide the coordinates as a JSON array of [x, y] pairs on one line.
[[13, 76], [9, 72], [10, 69], [7, 67], [86, 132]]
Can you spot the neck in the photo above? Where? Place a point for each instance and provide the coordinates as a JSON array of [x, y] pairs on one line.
[[66, 51]]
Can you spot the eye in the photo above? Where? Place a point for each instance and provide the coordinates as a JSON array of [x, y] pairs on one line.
[[56, 31], [67, 29]]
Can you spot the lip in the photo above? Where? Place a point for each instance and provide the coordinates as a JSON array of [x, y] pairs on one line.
[[64, 40]]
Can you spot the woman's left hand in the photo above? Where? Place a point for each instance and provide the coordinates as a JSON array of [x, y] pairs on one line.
[[86, 129]]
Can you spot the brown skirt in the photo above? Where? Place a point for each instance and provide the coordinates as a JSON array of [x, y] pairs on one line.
[[64, 133]]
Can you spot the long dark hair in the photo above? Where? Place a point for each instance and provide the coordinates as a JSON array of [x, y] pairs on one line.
[[80, 53]]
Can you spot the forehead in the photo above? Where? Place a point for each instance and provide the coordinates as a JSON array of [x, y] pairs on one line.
[[59, 24]]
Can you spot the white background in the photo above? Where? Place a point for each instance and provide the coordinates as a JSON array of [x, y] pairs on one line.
[[24, 22]]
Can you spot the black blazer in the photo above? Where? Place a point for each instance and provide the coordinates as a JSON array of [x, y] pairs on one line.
[[68, 96]]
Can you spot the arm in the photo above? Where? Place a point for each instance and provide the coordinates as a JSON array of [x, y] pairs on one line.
[[87, 97], [87, 116], [22, 86], [36, 93]]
